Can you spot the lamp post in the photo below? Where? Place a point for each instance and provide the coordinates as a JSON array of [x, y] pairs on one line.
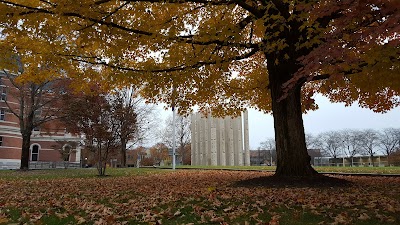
[[173, 127], [173, 137]]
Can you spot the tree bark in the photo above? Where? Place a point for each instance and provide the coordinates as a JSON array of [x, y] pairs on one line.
[[26, 142], [292, 155]]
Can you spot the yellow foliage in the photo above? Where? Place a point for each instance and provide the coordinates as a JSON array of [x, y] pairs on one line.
[[185, 54]]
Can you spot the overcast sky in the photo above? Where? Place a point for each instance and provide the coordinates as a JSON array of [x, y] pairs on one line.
[[329, 116]]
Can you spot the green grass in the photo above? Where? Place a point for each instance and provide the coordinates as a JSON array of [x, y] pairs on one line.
[[74, 173], [374, 170], [120, 172], [378, 170]]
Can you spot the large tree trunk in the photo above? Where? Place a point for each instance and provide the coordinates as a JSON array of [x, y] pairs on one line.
[[26, 142], [292, 156]]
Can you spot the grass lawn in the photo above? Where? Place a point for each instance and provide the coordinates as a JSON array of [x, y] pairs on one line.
[[326, 169], [152, 196]]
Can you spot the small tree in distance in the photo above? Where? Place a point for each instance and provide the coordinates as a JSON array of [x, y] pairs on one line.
[[269, 149], [389, 141], [159, 153], [331, 143], [92, 116], [351, 143], [368, 143], [182, 135]]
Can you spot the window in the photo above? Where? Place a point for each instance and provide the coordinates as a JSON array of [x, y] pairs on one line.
[[2, 114], [66, 152], [1, 141], [35, 153], [37, 114], [3, 91]]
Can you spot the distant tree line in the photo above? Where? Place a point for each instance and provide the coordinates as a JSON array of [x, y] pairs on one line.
[[351, 142]]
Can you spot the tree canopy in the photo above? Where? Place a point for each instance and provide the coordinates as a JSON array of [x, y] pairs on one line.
[[210, 49], [223, 55]]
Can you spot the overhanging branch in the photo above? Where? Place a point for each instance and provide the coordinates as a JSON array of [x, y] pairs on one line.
[[181, 67]]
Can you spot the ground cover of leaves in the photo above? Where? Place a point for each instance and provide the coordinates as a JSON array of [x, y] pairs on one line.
[[200, 197]]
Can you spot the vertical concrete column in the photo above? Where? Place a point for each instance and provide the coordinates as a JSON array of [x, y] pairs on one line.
[[213, 141], [235, 140], [192, 139], [198, 149], [78, 154], [239, 141], [222, 146], [230, 144], [209, 128], [201, 144], [206, 155], [246, 138]]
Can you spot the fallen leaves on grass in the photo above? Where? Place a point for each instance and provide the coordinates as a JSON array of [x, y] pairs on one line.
[[198, 197]]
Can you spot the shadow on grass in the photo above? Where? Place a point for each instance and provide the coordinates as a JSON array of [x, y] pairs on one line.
[[317, 181]]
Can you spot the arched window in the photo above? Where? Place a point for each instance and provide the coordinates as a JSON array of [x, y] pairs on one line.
[[67, 149], [35, 153]]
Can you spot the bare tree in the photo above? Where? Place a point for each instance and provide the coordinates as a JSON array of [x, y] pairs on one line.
[[148, 123], [182, 135], [331, 143], [135, 119], [312, 142], [368, 143], [269, 149], [123, 104], [351, 140], [389, 140], [36, 104]]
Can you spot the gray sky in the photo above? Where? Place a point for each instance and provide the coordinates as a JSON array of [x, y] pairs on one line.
[[329, 117]]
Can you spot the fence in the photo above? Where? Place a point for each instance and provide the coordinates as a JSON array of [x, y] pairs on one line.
[[53, 165]]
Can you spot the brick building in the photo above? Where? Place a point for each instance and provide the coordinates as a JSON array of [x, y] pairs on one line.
[[43, 142]]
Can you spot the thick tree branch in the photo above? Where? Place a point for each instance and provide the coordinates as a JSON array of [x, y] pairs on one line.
[[182, 67], [186, 38], [107, 16]]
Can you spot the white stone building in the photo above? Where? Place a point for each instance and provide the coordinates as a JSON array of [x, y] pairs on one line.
[[220, 141]]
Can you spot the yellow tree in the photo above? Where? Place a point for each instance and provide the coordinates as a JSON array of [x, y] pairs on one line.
[[223, 55]]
